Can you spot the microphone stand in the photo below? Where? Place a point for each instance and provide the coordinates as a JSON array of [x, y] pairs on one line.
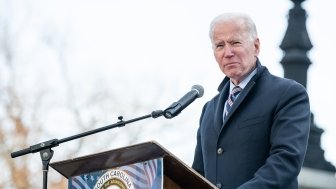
[[46, 152]]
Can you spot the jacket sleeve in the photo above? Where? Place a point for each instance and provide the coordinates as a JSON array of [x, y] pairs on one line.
[[288, 139]]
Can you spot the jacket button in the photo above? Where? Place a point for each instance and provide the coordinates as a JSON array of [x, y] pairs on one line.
[[219, 185], [219, 151]]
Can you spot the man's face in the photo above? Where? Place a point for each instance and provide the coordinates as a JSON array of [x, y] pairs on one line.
[[234, 50]]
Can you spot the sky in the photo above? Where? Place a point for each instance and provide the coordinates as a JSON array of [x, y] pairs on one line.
[[147, 48], [170, 39]]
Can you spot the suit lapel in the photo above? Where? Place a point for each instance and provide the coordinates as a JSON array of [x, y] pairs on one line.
[[218, 116], [239, 100]]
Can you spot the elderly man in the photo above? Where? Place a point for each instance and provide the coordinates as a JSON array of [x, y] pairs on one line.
[[253, 134]]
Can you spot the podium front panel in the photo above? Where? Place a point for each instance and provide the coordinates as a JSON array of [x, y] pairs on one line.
[[142, 175]]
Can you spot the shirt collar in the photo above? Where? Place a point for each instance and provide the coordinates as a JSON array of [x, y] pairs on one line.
[[243, 83]]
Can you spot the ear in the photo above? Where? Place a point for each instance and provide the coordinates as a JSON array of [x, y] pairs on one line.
[[256, 46]]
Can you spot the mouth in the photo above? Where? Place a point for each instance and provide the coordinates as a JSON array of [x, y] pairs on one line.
[[230, 64]]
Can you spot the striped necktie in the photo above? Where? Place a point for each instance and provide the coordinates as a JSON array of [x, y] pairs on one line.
[[232, 97]]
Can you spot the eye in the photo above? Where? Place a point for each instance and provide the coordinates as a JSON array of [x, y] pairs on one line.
[[219, 45], [235, 43]]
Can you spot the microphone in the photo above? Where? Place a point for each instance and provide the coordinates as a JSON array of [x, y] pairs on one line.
[[174, 109]]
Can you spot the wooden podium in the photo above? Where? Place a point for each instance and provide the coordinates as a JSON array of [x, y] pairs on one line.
[[176, 174]]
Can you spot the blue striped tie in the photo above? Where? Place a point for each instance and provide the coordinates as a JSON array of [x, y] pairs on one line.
[[232, 97]]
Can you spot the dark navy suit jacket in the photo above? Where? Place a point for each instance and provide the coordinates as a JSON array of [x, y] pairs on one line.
[[263, 140]]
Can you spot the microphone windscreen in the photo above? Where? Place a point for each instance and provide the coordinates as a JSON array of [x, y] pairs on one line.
[[199, 89]]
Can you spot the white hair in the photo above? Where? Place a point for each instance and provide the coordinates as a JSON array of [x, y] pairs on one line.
[[242, 19]]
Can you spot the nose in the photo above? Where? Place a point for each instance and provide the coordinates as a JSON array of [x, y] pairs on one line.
[[228, 51]]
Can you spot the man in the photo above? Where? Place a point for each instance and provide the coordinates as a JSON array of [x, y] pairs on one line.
[[256, 136]]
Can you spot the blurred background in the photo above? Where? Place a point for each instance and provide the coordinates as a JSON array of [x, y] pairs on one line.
[[69, 66]]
